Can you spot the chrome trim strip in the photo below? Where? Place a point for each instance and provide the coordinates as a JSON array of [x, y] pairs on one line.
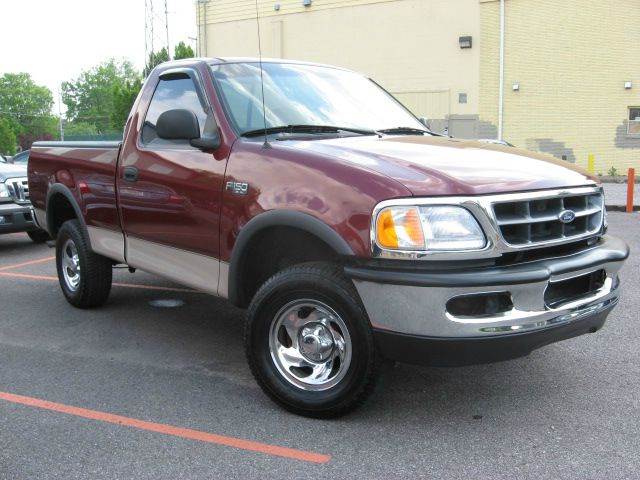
[[481, 207], [108, 243], [187, 268]]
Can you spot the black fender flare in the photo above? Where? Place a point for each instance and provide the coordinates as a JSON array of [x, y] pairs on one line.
[[60, 189], [278, 218]]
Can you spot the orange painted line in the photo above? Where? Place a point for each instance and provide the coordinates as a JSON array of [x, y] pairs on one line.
[[32, 262], [186, 433], [51, 278]]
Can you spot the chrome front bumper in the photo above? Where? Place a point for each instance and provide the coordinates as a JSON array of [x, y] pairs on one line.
[[415, 303]]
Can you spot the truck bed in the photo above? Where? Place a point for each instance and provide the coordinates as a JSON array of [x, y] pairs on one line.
[[87, 169]]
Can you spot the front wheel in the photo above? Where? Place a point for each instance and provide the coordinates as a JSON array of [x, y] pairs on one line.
[[84, 276], [309, 343]]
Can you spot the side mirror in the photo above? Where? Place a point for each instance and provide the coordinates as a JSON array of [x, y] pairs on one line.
[[180, 124]]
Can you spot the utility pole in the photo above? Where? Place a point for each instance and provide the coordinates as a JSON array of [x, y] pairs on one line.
[[146, 30], [152, 22], [198, 31], [166, 26], [202, 27], [60, 112]]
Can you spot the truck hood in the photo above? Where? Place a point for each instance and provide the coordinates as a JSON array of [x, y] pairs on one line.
[[429, 165], [9, 170]]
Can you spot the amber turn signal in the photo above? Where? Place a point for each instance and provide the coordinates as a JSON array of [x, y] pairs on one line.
[[400, 228]]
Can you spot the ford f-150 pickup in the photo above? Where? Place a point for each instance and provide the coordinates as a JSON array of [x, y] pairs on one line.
[[349, 231]]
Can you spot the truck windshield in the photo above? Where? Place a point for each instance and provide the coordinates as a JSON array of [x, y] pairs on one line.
[[307, 95]]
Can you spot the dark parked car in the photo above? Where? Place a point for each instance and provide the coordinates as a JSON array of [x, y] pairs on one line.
[[20, 158]]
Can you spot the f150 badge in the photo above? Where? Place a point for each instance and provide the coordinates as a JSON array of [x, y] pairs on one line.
[[237, 188]]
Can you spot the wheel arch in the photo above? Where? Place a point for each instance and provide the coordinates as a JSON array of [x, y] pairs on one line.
[[61, 206], [311, 226]]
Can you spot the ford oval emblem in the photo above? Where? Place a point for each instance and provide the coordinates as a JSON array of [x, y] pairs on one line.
[[567, 216]]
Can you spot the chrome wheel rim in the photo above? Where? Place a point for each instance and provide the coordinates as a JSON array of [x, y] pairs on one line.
[[70, 265], [310, 345]]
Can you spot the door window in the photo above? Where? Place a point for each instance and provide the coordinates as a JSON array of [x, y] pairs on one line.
[[171, 94]]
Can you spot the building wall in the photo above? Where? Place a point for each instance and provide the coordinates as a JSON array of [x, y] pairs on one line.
[[571, 60], [410, 47]]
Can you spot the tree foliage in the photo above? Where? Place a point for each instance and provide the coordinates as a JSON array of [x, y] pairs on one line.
[[102, 95], [123, 98], [7, 138], [155, 58], [26, 108], [180, 51], [183, 51], [98, 101], [80, 129]]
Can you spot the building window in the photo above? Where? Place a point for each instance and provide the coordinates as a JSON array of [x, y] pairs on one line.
[[633, 128]]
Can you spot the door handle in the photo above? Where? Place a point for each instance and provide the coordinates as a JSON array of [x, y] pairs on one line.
[[130, 174]]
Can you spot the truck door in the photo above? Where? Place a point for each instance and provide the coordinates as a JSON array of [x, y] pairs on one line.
[[169, 191]]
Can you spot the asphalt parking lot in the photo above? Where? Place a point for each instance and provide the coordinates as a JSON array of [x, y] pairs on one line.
[[134, 390]]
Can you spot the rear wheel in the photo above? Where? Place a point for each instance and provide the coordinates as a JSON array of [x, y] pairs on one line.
[[309, 343], [84, 276], [38, 236]]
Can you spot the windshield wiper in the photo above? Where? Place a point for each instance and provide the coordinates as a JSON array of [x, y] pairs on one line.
[[306, 129], [404, 131]]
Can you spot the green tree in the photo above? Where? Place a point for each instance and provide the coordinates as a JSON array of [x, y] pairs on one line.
[[102, 95], [183, 51], [80, 129], [26, 107], [7, 138], [155, 58], [123, 97]]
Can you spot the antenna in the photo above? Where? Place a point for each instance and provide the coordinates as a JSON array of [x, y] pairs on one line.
[[264, 108]]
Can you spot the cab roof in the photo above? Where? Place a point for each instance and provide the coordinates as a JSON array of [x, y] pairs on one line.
[[230, 60]]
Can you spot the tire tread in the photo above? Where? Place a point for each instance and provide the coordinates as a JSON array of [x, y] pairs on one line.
[[97, 271]]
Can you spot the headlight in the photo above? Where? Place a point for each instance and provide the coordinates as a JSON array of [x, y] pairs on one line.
[[4, 191], [440, 227]]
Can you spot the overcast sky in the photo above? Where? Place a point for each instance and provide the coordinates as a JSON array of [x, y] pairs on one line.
[[54, 40]]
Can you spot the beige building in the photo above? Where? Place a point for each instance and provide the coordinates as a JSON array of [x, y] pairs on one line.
[[571, 70]]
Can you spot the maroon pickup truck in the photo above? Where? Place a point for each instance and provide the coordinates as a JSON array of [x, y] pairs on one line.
[[349, 231]]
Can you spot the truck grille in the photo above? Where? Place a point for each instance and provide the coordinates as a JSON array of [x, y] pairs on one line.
[[18, 189], [548, 219]]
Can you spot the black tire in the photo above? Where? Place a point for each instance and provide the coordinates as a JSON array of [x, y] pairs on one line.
[[324, 283], [38, 236], [95, 272]]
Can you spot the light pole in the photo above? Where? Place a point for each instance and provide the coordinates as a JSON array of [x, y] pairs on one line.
[[60, 112], [166, 26]]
